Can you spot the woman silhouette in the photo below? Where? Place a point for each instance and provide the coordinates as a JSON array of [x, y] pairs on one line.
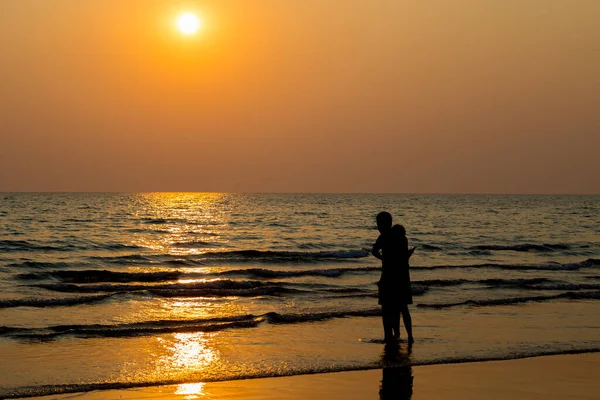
[[395, 292]]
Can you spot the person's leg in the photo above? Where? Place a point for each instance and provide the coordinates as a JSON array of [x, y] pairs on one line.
[[407, 322], [396, 314], [388, 323]]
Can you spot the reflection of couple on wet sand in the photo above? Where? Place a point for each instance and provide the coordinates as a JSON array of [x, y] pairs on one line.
[[397, 377], [395, 292]]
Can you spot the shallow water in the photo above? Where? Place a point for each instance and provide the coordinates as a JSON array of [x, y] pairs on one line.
[[118, 290]]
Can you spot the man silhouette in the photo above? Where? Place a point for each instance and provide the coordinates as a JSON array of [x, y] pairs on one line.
[[395, 292]]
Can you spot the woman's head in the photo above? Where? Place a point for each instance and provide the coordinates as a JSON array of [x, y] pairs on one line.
[[399, 229]]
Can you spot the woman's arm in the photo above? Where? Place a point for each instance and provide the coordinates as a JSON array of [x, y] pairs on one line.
[[411, 251]]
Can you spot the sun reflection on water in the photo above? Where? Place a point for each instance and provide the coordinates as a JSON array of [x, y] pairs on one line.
[[192, 350], [187, 356], [191, 390], [197, 280]]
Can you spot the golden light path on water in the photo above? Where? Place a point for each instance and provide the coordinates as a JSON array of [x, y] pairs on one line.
[[188, 351], [180, 220], [186, 216]]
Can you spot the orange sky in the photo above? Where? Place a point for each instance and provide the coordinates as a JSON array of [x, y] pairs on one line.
[[437, 96]]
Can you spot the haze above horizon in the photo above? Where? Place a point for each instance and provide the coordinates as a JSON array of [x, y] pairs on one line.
[[312, 96]]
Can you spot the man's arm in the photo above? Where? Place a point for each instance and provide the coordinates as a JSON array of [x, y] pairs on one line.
[[376, 250]]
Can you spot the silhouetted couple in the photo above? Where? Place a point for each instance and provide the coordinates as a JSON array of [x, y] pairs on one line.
[[395, 293]]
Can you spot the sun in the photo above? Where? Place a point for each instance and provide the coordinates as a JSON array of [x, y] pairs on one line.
[[188, 23]]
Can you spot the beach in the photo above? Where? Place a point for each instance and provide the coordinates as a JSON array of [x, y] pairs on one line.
[[128, 291], [546, 377]]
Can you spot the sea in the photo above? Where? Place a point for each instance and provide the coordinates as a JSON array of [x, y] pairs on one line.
[[124, 290]]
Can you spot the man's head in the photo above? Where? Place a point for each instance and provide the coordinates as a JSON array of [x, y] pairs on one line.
[[384, 221]]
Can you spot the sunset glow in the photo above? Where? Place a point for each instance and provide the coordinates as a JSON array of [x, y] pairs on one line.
[[309, 96]]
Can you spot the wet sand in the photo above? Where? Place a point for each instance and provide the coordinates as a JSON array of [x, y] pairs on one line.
[[548, 378]]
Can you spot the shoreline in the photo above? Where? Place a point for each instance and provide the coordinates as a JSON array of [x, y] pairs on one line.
[[544, 376]]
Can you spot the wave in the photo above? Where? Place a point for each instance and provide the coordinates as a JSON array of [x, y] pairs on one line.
[[29, 247], [214, 292], [126, 259], [61, 389], [107, 331], [184, 262], [268, 273], [228, 288], [238, 256], [524, 283], [372, 295], [293, 257], [217, 288], [524, 247], [356, 293], [78, 220], [565, 286], [286, 256], [25, 246], [517, 282], [116, 246], [214, 284], [62, 302], [316, 246], [39, 265], [428, 247], [147, 230], [589, 263], [276, 318], [161, 221], [92, 276], [147, 328], [516, 300], [196, 244]]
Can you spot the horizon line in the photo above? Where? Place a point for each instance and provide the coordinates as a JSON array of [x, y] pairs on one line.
[[297, 193]]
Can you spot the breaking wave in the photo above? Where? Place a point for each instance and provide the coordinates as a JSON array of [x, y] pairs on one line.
[[268, 273], [516, 300], [589, 263], [287, 256], [176, 326], [236, 256], [524, 247], [62, 302], [222, 284], [92, 276]]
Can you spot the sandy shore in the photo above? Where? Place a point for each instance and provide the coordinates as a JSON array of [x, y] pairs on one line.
[[549, 377]]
